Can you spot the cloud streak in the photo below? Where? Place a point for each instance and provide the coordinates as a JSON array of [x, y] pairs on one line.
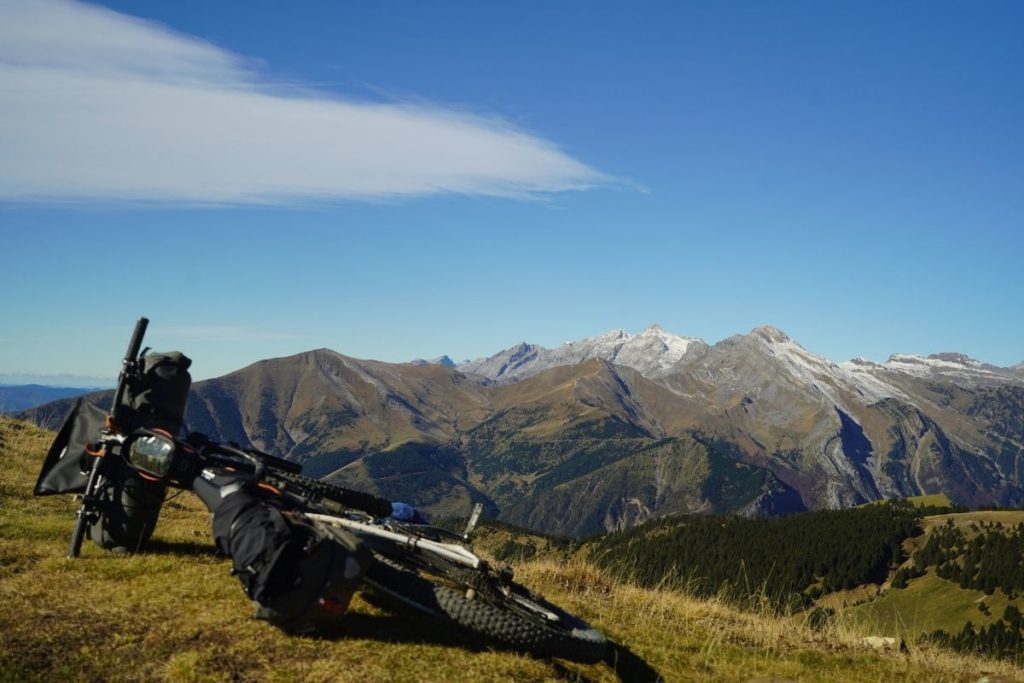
[[96, 105]]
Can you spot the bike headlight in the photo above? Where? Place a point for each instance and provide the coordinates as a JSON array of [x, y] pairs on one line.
[[152, 453]]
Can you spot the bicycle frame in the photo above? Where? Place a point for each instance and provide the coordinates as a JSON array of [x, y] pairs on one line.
[[449, 551]]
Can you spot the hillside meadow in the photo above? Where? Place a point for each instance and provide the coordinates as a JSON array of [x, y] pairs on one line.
[[175, 614]]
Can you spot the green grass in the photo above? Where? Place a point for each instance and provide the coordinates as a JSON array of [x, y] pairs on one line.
[[176, 614], [979, 517], [937, 500], [929, 603], [931, 500]]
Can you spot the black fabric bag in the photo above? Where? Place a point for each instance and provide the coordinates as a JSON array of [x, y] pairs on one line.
[[300, 577], [157, 399], [130, 503], [130, 509], [62, 470], [263, 546], [322, 585]]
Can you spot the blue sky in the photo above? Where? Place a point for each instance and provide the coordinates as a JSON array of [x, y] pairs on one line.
[[400, 179]]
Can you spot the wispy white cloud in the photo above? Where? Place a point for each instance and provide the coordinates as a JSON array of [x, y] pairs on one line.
[[97, 105]]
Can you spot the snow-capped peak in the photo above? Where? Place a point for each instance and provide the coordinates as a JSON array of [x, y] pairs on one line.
[[840, 383], [657, 354], [652, 352]]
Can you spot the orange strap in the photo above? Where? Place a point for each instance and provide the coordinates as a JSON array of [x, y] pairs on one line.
[[268, 487]]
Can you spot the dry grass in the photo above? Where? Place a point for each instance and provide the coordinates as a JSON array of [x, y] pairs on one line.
[[696, 639], [978, 517], [176, 614]]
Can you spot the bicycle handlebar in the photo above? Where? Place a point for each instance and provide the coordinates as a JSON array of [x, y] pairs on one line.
[[128, 370]]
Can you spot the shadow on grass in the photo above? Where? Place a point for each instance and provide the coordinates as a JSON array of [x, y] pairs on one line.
[[407, 629], [629, 666], [411, 628], [399, 625], [206, 549], [415, 629]]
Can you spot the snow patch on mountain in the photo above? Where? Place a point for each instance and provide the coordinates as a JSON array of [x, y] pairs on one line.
[[830, 378], [865, 376], [942, 364], [660, 355], [653, 352]]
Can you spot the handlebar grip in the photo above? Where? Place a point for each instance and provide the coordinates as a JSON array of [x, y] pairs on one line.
[[136, 341], [128, 368]]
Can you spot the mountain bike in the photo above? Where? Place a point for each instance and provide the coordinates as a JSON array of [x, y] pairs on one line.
[[428, 568]]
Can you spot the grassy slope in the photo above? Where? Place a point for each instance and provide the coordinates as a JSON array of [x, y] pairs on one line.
[[176, 614], [933, 500], [925, 500], [965, 519], [929, 602]]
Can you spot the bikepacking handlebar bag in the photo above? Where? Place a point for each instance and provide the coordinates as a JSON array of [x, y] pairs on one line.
[[131, 504]]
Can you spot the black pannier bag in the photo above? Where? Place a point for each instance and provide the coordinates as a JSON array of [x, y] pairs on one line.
[[131, 503], [301, 577], [62, 468]]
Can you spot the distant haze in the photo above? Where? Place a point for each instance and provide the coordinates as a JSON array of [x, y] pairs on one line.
[[74, 381]]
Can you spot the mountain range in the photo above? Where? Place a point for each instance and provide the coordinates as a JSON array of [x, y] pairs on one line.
[[612, 430], [14, 398]]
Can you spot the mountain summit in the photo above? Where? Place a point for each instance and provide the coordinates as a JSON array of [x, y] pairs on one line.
[[653, 352]]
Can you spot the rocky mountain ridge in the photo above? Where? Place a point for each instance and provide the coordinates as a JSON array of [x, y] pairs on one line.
[[575, 442], [654, 352]]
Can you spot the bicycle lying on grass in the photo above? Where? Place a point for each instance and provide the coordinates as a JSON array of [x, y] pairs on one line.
[[133, 456]]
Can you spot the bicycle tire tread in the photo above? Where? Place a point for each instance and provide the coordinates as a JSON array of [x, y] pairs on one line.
[[575, 640]]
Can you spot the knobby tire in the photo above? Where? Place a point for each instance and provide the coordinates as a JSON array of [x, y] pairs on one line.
[[487, 613], [566, 637]]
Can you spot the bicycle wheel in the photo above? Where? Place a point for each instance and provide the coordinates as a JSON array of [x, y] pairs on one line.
[[521, 619]]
